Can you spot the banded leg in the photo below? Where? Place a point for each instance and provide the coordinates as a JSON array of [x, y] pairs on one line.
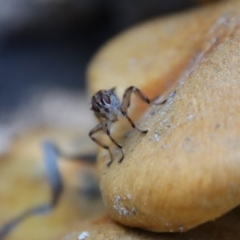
[[128, 93], [106, 130], [126, 103], [104, 127]]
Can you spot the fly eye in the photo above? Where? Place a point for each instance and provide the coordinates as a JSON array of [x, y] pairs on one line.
[[95, 107], [106, 98]]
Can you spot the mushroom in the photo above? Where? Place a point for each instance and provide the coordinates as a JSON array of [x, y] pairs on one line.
[[185, 171]]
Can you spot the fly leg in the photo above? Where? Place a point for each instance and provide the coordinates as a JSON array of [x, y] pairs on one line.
[[126, 103], [104, 127]]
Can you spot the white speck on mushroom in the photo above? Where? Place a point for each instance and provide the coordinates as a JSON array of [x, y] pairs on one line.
[[117, 199], [118, 206], [83, 235], [190, 117], [156, 137], [133, 210], [129, 196], [123, 211], [181, 229]]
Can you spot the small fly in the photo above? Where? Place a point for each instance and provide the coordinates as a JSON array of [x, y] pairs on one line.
[[108, 109]]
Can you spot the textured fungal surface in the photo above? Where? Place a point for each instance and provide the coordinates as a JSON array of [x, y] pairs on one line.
[[185, 171]]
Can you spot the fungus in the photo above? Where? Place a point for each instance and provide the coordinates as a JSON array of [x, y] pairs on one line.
[[185, 171]]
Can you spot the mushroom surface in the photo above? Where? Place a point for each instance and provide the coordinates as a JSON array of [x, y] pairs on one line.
[[185, 171]]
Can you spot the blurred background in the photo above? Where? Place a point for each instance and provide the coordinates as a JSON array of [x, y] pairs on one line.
[[46, 45]]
